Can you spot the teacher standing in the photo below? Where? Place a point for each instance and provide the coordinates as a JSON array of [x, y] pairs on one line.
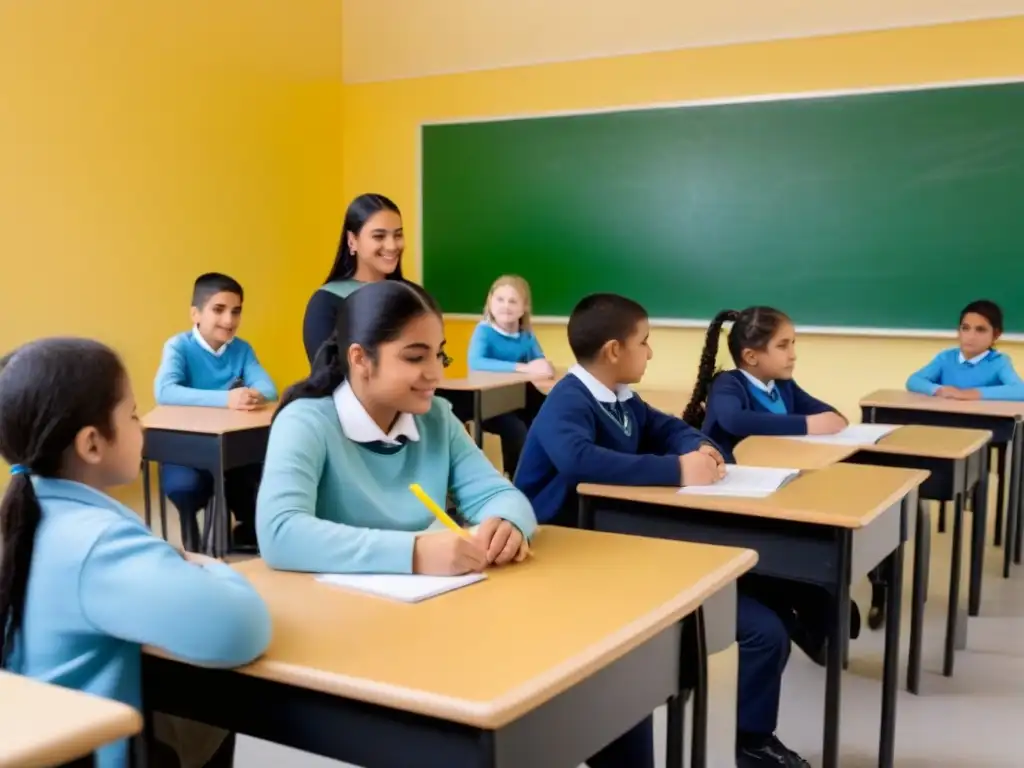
[[370, 250]]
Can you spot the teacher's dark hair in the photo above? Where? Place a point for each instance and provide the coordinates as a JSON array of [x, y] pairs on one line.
[[359, 212], [375, 314], [49, 391]]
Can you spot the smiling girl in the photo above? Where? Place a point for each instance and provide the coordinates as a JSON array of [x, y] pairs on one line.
[[503, 342], [348, 441]]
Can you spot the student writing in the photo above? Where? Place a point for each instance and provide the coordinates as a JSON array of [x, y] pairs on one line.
[[593, 428], [369, 250], [504, 342], [974, 369], [348, 441], [760, 396], [210, 366], [83, 583]]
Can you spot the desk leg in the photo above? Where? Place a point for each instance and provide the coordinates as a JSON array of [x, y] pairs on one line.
[[955, 568], [1013, 505], [840, 626], [922, 552], [979, 526], [147, 503], [1019, 520], [221, 514], [478, 419], [699, 686], [997, 535], [163, 505], [586, 514], [891, 663]]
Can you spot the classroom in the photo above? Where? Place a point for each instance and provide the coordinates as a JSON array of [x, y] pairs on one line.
[[647, 150]]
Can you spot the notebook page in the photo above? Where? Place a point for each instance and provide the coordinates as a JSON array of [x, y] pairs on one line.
[[409, 588], [750, 482], [855, 434]]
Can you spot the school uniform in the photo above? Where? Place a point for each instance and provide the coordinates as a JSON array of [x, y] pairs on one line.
[[991, 373], [740, 405], [322, 313], [495, 350], [586, 432], [193, 373], [335, 493], [101, 586]]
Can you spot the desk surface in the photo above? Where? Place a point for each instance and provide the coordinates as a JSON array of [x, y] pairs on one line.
[[44, 724], [481, 381], [839, 495], [670, 401], [490, 652], [211, 421], [782, 453], [932, 442], [898, 398]]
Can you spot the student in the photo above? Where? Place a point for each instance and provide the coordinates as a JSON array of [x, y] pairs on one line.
[[975, 369], [348, 441], [593, 428], [760, 396], [83, 583], [208, 366], [503, 342], [370, 250]]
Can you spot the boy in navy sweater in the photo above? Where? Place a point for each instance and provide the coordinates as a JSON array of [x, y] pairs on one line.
[[208, 366], [593, 428]]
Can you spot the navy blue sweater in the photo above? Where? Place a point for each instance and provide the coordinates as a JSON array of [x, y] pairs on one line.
[[733, 413], [575, 439]]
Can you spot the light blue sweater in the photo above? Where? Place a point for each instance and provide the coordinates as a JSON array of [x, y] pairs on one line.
[[993, 375], [101, 585], [328, 504], [191, 373], [497, 352]]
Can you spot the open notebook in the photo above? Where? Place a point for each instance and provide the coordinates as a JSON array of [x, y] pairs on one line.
[[855, 434], [411, 588], [751, 482]]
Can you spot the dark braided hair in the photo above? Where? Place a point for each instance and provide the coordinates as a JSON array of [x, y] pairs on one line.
[[752, 328], [49, 391], [373, 315]]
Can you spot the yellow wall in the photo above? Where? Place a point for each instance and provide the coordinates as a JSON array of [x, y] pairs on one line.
[[382, 119], [142, 143]]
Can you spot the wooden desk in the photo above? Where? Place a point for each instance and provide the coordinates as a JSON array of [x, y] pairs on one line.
[[1002, 418], [671, 401], [45, 725], [213, 439], [780, 453], [481, 396], [828, 527], [540, 665]]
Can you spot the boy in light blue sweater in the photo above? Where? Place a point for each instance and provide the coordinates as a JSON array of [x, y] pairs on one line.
[[348, 441], [974, 370], [210, 367], [86, 584]]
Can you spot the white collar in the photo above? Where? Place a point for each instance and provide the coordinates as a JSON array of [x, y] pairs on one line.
[[503, 332], [600, 392], [974, 360], [360, 428], [766, 388], [202, 343]]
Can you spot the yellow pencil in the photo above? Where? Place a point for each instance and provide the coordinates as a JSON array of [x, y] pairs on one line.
[[439, 513]]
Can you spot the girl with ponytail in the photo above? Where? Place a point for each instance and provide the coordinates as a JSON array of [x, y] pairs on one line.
[[348, 441], [760, 396], [83, 583]]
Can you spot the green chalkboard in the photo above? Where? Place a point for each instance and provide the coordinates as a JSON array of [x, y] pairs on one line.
[[880, 210]]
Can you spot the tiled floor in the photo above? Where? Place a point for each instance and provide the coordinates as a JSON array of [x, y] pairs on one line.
[[974, 720]]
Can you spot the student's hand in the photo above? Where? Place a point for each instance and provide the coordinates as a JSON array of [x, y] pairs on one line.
[[699, 468], [828, 423], [950, 393], [711, 451], [197, 559], [967, 394], [447, 553], [502, 540], [243, 399], [540, 367]]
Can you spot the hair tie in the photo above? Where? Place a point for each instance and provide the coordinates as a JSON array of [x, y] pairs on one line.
[[20, 469]]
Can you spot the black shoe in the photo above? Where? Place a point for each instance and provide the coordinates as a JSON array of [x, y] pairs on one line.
[[769, 752]]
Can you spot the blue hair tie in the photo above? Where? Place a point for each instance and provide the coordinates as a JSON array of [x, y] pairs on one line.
[[19, 469]]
